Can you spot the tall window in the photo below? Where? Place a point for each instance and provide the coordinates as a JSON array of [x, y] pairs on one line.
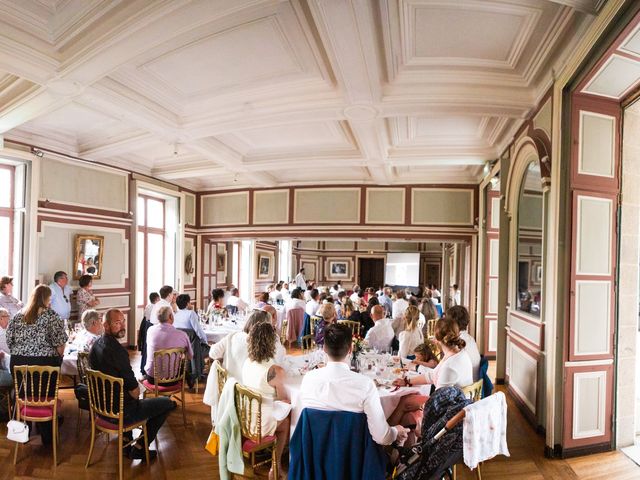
[[7, 187], [284, 267], [152, 223]]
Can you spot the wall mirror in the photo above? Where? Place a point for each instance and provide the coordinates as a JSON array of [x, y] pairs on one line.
[[529, 278], [88, 256]]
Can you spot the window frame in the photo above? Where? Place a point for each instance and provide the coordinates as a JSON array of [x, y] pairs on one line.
[[146, 230], [9, 212]]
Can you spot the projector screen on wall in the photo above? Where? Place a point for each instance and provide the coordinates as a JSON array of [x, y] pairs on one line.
[[402, 269]]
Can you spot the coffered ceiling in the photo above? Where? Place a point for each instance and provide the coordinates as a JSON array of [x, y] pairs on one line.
[[216, 94]]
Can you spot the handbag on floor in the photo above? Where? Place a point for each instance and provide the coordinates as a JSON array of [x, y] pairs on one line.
[[18, 431]]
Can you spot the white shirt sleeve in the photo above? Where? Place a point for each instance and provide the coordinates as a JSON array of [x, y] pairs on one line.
[[195, 324], [405, 340], [380, 430], [218, 350]]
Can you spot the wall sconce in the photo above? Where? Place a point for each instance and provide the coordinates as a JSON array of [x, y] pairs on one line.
[[38, 153]]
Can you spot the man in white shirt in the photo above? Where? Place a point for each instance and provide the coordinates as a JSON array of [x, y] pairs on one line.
[[286, 294], [153, 299], [301, 282], [455, 295], [93, 329], [381, 334], [61, 295], [460, 315], [397, 313], [355, 297], [275, 295], [5, 373], [166, 299], [336, 387], [235, 301], [313, 305], [385, 301]]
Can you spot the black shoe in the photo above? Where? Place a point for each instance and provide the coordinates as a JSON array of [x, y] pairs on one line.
[[138, 454]]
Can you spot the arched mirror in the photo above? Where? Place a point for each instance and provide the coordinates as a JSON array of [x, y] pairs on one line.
[[529, 278]]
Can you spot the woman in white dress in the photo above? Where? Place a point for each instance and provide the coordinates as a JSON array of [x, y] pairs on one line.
[[260, 373], [412, 336]]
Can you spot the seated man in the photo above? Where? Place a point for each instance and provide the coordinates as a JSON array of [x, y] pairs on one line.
[[5, 373], [336, 387], [381, 334], [92, 331], [111, 358], [162, 336], [235, 301], [188, 319]]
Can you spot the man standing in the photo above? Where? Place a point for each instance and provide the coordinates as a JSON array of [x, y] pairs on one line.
[[301, 282], [61, 295], [110, 357], [166, 300], [385, 301], [336, 387]]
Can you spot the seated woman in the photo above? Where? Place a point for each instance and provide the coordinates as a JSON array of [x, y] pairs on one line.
[[261, 374], [453, 370], [365, 317], [350, 311], [216, 305], [411, 336], [424, 357], [328, 314]]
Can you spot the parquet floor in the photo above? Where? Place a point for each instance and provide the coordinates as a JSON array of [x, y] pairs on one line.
[[182, 456]]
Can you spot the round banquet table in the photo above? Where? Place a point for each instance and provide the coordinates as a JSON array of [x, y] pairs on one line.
[[215, 333], [69, 363], [389, 396]]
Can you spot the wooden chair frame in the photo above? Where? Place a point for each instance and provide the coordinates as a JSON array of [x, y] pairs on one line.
[[102, 402], [431, 327], [308, 344], [313, 320], [247, 401], [353, 325], [474, 391], [222, 376], [82, 363], [37, 395], [177, 375]]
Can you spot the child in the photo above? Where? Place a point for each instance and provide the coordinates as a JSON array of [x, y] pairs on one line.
[[424, 356]]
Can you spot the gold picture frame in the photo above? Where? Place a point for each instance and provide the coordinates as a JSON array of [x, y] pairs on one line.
[[88, 254], [264, 266]]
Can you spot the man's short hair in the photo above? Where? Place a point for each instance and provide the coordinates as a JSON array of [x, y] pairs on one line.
[[166, 291], [183, 301], [110, 313], [314, 293], [164, 314], [4, 281], [89, 317], [459, 315], [342, 294], [337, 340], [58, 275], [301, 270], [378, 310], [153, 296]]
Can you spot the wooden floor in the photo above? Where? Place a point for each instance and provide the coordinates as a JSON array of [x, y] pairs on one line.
[[182, 454]]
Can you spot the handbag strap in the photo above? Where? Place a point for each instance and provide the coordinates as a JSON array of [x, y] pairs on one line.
[[24, 388]]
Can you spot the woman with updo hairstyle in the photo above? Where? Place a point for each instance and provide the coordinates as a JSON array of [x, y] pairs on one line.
[[453, 370]]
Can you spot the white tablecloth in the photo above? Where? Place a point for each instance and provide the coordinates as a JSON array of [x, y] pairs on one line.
[[215, 333], [389, 397]]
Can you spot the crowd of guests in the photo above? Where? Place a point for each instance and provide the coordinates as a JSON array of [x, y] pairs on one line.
[[390, 321]]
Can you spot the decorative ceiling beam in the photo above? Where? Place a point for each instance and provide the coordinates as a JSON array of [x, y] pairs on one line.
[[585, 6]]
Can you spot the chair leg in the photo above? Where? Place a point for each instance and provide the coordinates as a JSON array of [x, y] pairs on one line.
[[184, 414], [146, 442], [15, 451], [120, 459], [478, 473], [93, 440], [454, 472], [274, 462], [55, 441]]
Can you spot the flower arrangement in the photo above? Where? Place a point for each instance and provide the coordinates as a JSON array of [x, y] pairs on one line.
[[357, 344]]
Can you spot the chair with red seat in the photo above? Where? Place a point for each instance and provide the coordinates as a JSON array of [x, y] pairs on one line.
[[106, 402], [169, 371], [249, 410], [36, 389]]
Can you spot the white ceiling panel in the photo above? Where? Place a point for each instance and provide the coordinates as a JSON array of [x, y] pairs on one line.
[[616, 77]]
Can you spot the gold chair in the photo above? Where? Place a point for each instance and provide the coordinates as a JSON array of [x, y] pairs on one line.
[[249, 410], [222, 376], [308, 344], [354, 326], [283, 331], [169, 370], [431, 327], [37, 404], [474, 391], [313, 321], [82, 364], [106, 401]]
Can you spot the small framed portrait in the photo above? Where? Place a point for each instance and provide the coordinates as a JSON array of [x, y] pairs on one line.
[[264, 266], [221, 262], [88, 256], [339, 269]]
